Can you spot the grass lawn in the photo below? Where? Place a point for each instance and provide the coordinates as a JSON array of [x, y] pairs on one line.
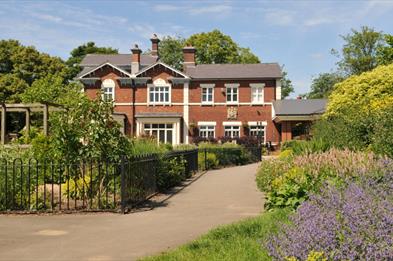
[[238, 241]]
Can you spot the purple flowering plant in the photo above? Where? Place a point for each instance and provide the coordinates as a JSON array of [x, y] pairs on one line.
[[351, 222]]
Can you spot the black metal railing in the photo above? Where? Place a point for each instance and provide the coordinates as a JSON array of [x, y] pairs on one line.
[[103, 185], [216, 157], [32, 186]]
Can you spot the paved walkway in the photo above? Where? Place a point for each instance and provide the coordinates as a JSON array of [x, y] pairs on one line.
[[218, 197]]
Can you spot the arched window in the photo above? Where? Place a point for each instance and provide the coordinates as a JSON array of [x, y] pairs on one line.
[[108, 90]]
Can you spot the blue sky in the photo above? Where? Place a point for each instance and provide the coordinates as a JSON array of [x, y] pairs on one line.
[[298, 34]]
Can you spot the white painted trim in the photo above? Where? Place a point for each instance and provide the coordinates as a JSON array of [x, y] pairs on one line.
[[257, 85], [102, 65], [207, 85], [232, 85], [163, 64], [232, 123], [193, 104], [255, 123], [186, 112], [207, 123], [278, 89]]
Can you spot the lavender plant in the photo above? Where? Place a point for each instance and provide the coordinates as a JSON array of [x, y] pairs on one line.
[[351, 223]]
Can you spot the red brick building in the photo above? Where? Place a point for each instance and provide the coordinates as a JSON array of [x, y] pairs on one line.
[[206, 100]]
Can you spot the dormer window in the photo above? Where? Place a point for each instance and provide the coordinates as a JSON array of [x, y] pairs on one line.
[[108, 90]]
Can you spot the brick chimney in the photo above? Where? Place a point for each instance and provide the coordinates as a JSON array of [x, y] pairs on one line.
[[135, 59], [189, 57], [154, 45]]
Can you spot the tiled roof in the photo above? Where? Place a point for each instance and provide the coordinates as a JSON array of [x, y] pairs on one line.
[[235, 71], [299, 107], [115, 59]]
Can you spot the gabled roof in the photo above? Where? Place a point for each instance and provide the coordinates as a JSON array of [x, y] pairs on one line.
[[299, 107], [163, 64], [235, 71], [91, 60], [89, 70]]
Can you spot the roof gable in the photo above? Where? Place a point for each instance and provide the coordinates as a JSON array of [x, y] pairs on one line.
[[159, 63], [89, 71]]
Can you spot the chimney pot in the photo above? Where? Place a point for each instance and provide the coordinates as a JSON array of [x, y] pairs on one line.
[[154, 45], [189, 57], [135, 59]]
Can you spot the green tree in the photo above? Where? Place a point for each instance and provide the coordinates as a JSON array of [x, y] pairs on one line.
[[52, 88], [11, 87], [78, 53], [171, 51], [286, 85], [370, 91], [21, 65], [323, 85], [385, 53], [246, 56], [212, 47], [359, 53], [216, 47]]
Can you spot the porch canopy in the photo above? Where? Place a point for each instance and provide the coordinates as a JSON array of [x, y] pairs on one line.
[[292, 113]]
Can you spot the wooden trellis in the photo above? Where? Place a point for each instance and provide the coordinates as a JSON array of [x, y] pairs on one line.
[[27, 108]]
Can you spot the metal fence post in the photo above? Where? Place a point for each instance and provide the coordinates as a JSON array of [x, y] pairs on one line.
[[123, 185], [205, 158]]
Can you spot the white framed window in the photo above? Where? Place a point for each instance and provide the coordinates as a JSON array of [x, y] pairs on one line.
[[163, 132], [257, 96], [232, 92], [108, 90], [258, 131], [159, 94], [207, 93], [207, 131], [232, 131]]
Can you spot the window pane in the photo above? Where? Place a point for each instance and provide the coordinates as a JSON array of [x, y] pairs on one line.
[[169, 126], [169, 136], [166, 97]]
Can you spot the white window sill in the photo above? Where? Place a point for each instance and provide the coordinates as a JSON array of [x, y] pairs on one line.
[[160, 104], [207, 103], [257, 103], [232, 103]]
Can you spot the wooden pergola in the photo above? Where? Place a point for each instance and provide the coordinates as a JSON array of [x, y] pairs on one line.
[[27, 108]]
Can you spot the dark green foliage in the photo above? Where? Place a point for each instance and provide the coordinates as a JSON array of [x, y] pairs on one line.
[[171, 51], [286, 85], [170, 173], [80, 52], [323, 85], [359, 53], [300, 147], [382, 136], [385, 53]]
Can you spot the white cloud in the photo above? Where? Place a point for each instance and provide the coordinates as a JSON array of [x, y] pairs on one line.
[[166, 8], [280, 17], [317, 56], [194, 9], [218, 9]]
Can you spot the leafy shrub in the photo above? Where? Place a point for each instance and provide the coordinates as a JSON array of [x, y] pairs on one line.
[[287, 181], [345, 224], [300, 147], [210, 163], [170, 172]]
